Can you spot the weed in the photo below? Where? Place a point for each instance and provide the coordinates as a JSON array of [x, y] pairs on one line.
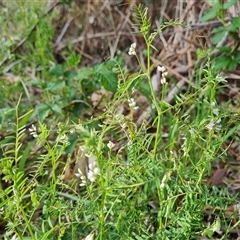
[[127, 183]]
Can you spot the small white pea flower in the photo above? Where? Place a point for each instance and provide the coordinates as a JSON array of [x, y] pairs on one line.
[[80, 175], [214, 124], [213, 104], [92, 179], [90, 174], [164, 72], [165, 179], [96, 171], [8, 234], [83, 183], [161, 69], [89, 236], [163, 80], [237, 207], [63, 139], [14, 237], [33, 131], [131, 103], [211, 125], [110, 145], [216, 111], [72, 131], [132, 49], [218, 125]]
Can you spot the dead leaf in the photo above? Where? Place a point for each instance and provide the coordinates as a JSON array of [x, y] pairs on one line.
[[218, 176]]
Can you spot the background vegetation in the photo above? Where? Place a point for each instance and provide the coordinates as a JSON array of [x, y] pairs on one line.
[[93, 145]]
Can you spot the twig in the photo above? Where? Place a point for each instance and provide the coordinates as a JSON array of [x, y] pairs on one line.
[[63, 31], [89, 36]]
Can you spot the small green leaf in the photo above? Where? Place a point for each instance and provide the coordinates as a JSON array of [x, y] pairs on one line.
[[237, 56], [24, 157], [57, 70], [74, 59], [225, 49], [25, 118], [78, 108], [35, 82], [234, 25], [222, 62], [209, 15], [42, 111], [108, 80], [218, 37], [6, 111], [201, 53], [73, 138], [229, 4], [232, 65], [70, 75], [145, 90], [82, 74], [55, 85], [56, 108]]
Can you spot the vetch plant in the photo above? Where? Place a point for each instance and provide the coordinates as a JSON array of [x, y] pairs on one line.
[[106, 177]]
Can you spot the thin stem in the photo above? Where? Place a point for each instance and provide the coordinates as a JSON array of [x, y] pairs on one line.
[[159, 111]]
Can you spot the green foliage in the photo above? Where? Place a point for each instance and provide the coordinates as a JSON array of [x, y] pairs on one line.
[[72, 87], [151, 187], [229, 58]]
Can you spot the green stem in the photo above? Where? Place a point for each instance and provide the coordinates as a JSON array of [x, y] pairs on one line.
[[155, 102]]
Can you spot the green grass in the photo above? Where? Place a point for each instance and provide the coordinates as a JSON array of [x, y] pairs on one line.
[[152, 187]]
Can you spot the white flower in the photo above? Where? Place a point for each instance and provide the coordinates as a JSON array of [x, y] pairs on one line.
[[211, 125], [82, 178], [72, 131], [96, 171], [165, 179], [216, 111], [161, 69], [79, 173], [237, 207], [89, 236], [63, 139], [14, 237], [92, 172], [110, 145], [163, 80], [164, 72], [214, 124], [92, 179], [132, 49], [8, 234], [213, 104], [33, 131], [131, 102]]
